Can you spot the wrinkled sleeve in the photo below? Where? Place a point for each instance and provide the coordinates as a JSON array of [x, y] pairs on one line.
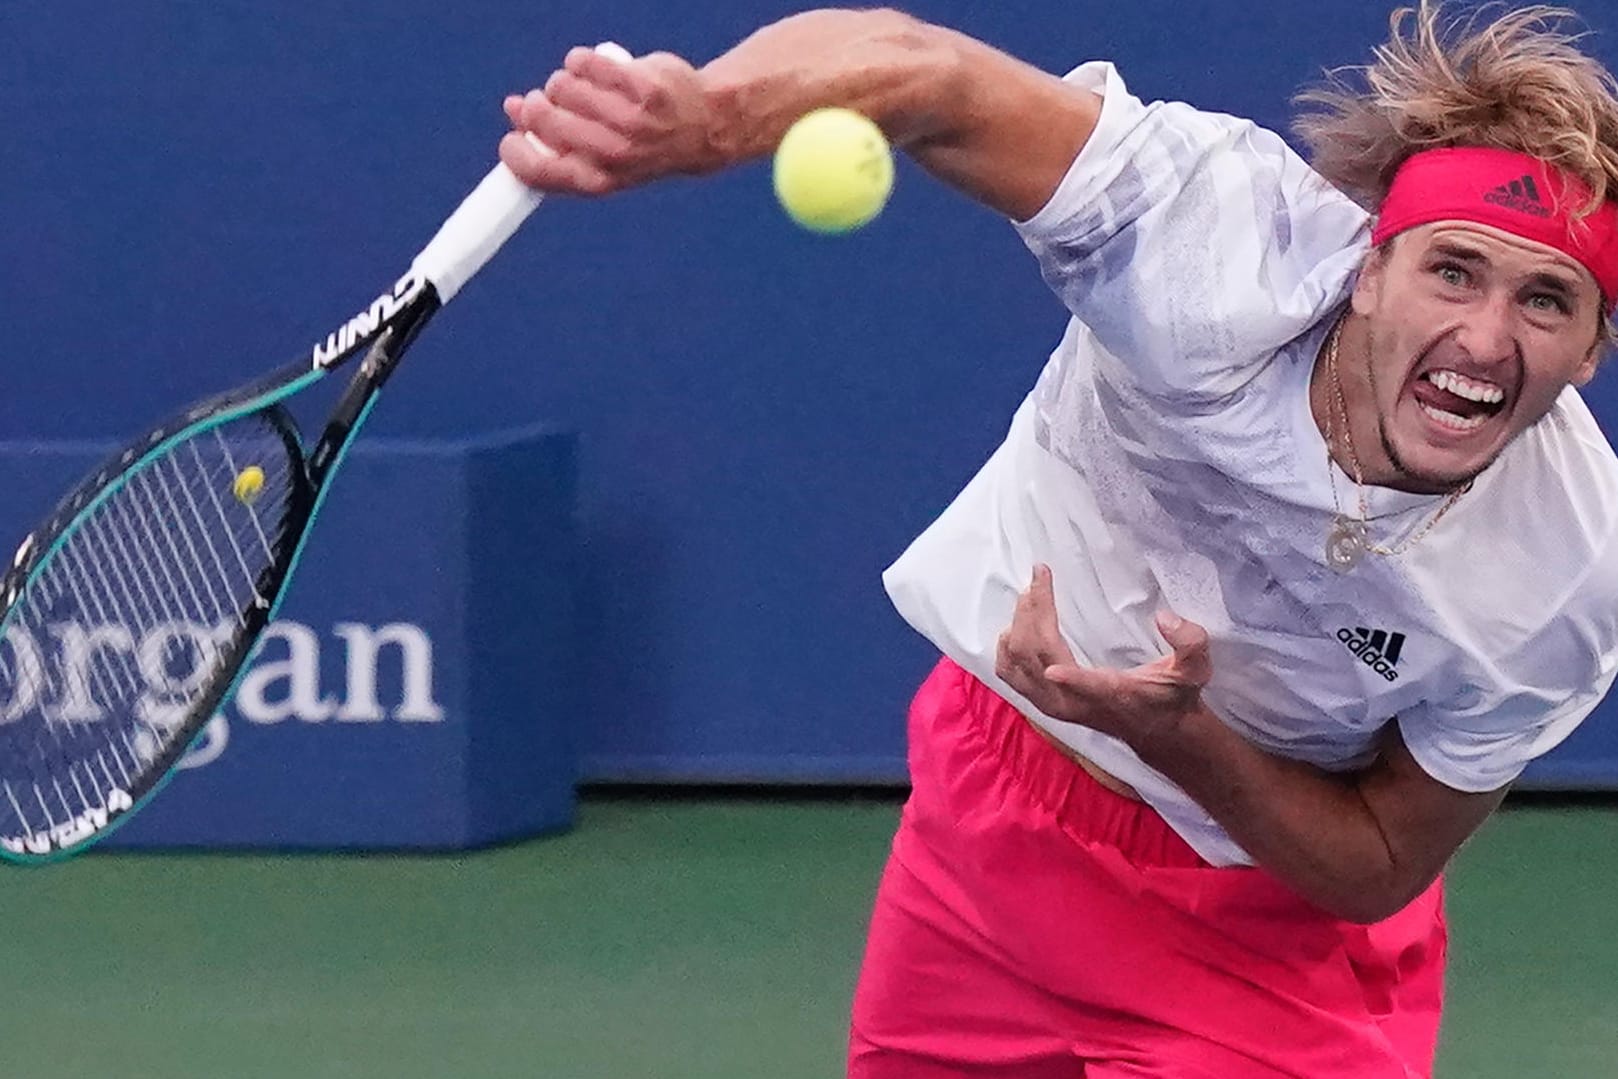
[[1482, 741], [1191, 242]]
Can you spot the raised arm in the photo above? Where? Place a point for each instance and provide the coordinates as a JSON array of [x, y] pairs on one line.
[[998, 129]]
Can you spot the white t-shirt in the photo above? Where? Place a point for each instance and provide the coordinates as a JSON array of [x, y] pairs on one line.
[[1167, 457]]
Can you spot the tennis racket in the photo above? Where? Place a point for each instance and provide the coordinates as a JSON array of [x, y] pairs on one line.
[[129, 614]]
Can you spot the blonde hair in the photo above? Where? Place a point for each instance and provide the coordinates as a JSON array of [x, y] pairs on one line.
[[1517, 83]]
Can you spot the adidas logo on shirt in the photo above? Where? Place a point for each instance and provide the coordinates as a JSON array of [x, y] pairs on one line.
[[1377, 648], [1521, 195]]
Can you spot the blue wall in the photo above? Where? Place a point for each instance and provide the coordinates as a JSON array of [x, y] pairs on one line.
[[189, 192]]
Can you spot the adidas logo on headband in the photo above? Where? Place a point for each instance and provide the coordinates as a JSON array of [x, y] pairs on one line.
[[1521, 195], [1543, 203]]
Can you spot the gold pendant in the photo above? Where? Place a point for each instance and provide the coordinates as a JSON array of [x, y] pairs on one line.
[[1345, 544]]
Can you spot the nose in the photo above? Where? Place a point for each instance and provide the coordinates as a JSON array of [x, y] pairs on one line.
[[1488, 331]]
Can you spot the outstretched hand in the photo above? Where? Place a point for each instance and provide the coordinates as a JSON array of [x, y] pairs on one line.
[[609, 125], [1136, 706]]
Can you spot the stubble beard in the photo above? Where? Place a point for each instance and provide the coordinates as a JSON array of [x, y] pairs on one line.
[[1410, 478]]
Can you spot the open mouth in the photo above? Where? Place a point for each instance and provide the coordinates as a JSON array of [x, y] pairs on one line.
[[1457, 402]]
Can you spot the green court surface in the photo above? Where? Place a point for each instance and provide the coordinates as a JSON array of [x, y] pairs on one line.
[[665, 937]]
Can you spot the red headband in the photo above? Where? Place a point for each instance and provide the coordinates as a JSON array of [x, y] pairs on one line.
[[1514, 192]]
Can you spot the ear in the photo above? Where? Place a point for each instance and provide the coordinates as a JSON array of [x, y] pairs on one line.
[[1587, 367], [1373, 276]]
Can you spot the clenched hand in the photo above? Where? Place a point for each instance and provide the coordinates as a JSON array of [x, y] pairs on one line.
[[610, 125]]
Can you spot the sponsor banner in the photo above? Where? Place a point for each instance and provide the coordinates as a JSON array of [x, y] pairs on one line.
[[405, 697]]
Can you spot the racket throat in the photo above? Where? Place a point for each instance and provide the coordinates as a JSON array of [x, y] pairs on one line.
[[380, 361]]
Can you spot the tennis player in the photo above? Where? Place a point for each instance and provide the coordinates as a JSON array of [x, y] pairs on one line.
[[1301, 548]]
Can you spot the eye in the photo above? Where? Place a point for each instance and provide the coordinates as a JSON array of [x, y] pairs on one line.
[[1452, 274], [1548, 302]]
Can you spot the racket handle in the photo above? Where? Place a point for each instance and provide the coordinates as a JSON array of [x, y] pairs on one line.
[[485, 219]]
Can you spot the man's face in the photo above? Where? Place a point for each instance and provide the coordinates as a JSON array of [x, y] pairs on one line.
[[1473, 332]]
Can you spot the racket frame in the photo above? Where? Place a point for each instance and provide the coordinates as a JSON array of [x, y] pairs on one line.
[[383, 345]]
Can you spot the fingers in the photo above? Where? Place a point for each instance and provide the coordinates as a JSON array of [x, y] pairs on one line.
[[1033, 642], [552, 172], [594, 112], [601, 71], [1033, 658], [609, 106], [1191, 663], [595, 86], [579, 118], [573, 130], [1035, 611], [615, 124], [1081, 683], [1040, 594], [1035, 634], [1027, 675]]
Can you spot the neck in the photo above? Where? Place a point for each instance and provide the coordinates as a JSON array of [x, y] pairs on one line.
[[1342, 400], [1337, 400]]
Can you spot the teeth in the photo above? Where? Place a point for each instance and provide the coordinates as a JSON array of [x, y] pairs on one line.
[[1450, 419], [1483, 392]]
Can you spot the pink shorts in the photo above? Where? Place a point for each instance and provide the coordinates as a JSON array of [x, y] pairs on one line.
[[1031, 923]]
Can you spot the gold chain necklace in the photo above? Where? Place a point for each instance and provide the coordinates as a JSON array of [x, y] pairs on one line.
[[1350, 538]]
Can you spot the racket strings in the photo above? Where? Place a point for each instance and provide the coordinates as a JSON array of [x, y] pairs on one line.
[[126, 622]]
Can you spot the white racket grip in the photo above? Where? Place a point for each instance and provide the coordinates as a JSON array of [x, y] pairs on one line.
[[485, 219]]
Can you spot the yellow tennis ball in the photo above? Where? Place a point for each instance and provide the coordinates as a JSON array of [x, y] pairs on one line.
[[833, 170], [249, 482]]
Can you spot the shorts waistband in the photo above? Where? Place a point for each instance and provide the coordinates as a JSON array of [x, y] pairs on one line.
[[1085, 808]]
